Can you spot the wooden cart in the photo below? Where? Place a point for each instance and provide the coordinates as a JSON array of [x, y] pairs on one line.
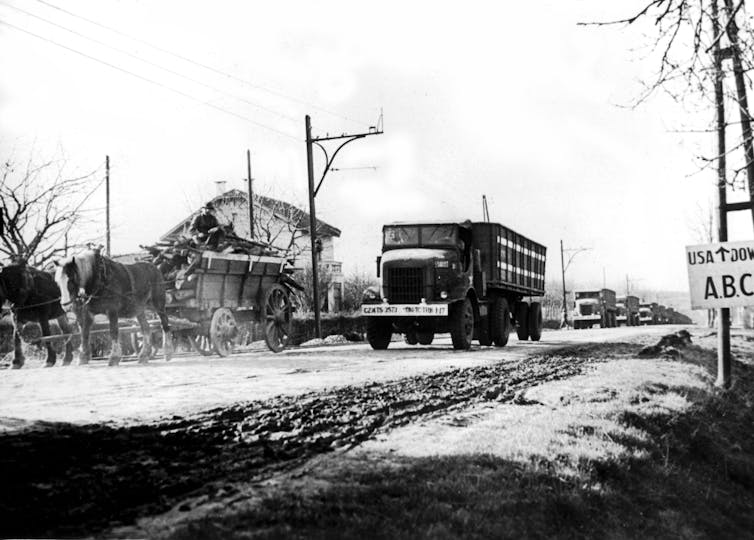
[[220, 290]]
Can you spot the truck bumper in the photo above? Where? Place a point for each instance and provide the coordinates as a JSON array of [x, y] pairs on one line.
[[404, 310]]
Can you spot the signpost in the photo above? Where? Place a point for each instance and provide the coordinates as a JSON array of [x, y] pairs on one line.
[[721, 275]]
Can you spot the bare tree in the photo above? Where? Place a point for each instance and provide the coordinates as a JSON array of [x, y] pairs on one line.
[[39, 206], [687, 38]]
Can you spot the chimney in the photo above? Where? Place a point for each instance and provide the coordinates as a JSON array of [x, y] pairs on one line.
[[220, 186]]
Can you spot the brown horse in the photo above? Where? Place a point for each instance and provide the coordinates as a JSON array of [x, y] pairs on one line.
[[90, 284], [34, 297]]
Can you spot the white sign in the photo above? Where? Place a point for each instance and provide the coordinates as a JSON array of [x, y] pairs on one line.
[[404, 310], [721, 275]]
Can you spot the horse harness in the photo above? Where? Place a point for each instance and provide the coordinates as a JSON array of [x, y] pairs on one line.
[[102, 274]]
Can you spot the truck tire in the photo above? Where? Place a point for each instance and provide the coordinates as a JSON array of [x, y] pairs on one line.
[[522, 321], [410, 337], [379, 332], [500, 322], [462, 324], [535, 321], [425, 337]]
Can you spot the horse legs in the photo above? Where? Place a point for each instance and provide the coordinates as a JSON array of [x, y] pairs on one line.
[[51, 356], [65, 327], [146, 333], [18, 353], [85, 320], [115, 352], [167, 336]]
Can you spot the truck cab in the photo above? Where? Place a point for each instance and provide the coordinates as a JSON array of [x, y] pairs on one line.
[[592, 307], [646, 313]]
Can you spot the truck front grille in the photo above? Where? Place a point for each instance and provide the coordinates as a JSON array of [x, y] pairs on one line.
[[405, 285], [586, 309]]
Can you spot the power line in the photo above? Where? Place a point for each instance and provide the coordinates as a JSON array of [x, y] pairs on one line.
[[149, 62], [204, 66], [151, 81]]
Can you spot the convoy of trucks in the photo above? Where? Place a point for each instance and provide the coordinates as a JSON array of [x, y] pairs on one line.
[[470, 279], [477, 281]]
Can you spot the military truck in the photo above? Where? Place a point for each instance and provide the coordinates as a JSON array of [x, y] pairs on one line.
[[648, 313], [627, 310], [595, 306], [469, 279]]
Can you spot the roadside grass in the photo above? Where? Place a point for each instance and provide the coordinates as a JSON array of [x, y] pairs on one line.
[[638, 448]]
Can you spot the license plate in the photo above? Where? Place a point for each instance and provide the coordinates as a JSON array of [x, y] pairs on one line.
[[405, 310]]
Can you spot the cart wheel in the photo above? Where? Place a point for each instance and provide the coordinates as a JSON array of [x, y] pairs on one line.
[[223, 331], [200, 344], [276, 311]]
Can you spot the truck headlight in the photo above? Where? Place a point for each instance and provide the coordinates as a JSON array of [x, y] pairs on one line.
[[371, 294], [443, 294]]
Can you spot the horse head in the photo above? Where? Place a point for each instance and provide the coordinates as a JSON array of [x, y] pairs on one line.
[[73, 276]]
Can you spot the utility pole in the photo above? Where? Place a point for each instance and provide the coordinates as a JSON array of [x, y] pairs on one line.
[[485, 209], [346, 138], [734, 53], [251, 195], [723, 314], [107, 205]]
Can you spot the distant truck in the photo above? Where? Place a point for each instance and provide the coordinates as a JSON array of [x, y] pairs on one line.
[[469, 279], [648, 313], [627, 310], [594, 307]]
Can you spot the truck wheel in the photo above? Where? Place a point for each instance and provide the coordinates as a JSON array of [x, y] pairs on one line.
[[462, 324], [425, 337], [500, 322], [522, 321], [535, 321], [410, 337], [379, 332]]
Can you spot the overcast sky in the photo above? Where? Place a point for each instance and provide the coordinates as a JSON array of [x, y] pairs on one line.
[[511, 100]]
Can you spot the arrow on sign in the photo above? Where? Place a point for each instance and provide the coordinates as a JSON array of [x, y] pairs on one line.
[[722, 251]]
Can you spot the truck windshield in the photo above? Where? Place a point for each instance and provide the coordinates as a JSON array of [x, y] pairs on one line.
[[587, 295], [438, 235], [420, 235], [401, 236]]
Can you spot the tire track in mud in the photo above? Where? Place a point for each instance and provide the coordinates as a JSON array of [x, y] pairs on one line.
[[66, 480]]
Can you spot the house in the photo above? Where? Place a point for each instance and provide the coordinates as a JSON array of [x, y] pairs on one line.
[[279, 224]]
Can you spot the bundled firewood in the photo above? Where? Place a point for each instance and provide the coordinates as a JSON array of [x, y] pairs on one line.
[[177, 259]]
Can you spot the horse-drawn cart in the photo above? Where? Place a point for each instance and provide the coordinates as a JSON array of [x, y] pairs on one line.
[[217, 291]]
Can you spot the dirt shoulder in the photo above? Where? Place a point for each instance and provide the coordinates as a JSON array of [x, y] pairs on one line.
[[625, 446]]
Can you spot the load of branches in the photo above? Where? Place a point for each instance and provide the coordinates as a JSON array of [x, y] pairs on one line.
[[178, 259]]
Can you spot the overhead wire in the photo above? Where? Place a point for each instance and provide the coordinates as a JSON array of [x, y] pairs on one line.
[[205, 66], [154, 64], [151, 81]]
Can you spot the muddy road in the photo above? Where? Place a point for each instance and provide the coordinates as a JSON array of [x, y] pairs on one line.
[[88, 449]]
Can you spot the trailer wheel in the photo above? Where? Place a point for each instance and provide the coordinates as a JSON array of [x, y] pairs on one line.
[[379, 332], [425, 337], [535, 321], [462, 324], [278, 320], [223, 331], [522, 321], [500, 322]]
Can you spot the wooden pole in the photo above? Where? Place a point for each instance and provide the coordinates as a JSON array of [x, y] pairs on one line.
[[723, 314], [313, 227], [107, 204], [565, 300], [251, 195]]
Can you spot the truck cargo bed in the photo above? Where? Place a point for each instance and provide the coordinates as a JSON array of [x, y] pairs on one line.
[[510, 261]]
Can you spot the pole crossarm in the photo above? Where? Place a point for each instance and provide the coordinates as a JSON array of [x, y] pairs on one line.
[[329, 160], [575, 251]]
